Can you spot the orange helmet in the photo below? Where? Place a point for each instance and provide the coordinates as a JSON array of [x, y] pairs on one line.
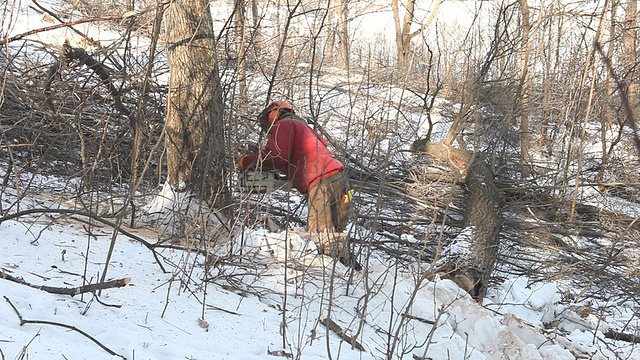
[[273, 112]]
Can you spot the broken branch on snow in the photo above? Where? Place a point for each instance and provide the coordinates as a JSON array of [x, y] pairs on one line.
[[68, 291], [331, 325], [70, 327]]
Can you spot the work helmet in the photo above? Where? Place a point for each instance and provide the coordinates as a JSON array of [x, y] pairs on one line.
[[272, 113]]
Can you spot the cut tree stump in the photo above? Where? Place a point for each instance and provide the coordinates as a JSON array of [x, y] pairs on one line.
[[470, 259]]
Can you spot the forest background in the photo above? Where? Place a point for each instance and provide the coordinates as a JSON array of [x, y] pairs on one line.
[[138, 110]]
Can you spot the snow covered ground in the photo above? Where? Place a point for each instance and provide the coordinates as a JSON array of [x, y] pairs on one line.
[[271, 301]]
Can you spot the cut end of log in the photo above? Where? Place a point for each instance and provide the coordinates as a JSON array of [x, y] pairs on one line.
[[465, 282]]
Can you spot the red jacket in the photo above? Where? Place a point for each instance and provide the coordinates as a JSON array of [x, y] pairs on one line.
[[296, 150]]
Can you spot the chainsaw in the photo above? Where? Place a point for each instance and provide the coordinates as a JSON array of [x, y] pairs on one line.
[[262, 181]]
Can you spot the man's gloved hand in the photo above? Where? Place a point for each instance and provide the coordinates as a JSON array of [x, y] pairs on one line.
[[238, 161]]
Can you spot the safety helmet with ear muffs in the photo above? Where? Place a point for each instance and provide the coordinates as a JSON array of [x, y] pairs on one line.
[[273, 112]]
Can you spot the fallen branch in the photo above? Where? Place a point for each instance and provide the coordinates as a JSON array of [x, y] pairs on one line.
[[67, 54], [611, 334], [67, 291], [70, 327], [331, 325]]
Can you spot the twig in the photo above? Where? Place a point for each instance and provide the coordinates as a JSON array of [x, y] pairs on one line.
[[63, 25], [413, 317], [67, 291], [331, 325], [16, 145], [53, 15], [23, 352], [104, 303], [70, 327], [223, 310]]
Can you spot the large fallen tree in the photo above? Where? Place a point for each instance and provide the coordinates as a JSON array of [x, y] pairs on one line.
[[470, 258]]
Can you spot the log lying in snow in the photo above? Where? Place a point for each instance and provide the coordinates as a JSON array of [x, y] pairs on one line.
[[470, 258], [68, 291]]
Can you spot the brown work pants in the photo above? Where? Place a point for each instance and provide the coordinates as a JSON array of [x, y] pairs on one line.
[[328, 214]]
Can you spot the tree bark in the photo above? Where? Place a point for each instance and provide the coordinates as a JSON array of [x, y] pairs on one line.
[[331, 34], [342, 12], [470, 259], [195, 135], [629, 42], [240, 19]]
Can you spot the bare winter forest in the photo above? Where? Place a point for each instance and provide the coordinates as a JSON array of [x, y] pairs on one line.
[[506, 129]]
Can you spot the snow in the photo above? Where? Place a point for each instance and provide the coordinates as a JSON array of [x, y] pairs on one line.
[[168, 200], [534, 304], [238, 313]]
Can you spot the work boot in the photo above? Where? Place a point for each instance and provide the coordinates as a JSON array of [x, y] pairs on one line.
[[337, 246], [332, 244]]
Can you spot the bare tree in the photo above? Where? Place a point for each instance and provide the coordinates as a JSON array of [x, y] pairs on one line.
[[195, 127], [404, 35], [474, 79], [524, 88], [629, 43], [240, 18], [338, 19], [607, 113]]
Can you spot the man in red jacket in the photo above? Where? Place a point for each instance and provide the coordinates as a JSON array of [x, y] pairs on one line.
[[297, 150]]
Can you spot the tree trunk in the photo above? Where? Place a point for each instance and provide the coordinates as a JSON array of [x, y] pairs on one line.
[[403, 29], [482, 218], [331, 34], [342, 8], [629, 42], [241, 52], [607, 105], [403, 38], [470, 259], [256, 38], [195, 128], [525, 136]]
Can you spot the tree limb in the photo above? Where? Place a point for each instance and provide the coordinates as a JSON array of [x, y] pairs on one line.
[[67, 291], [67, 54], [54, 27], [331, 325], [70, 327], [611, 334]]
